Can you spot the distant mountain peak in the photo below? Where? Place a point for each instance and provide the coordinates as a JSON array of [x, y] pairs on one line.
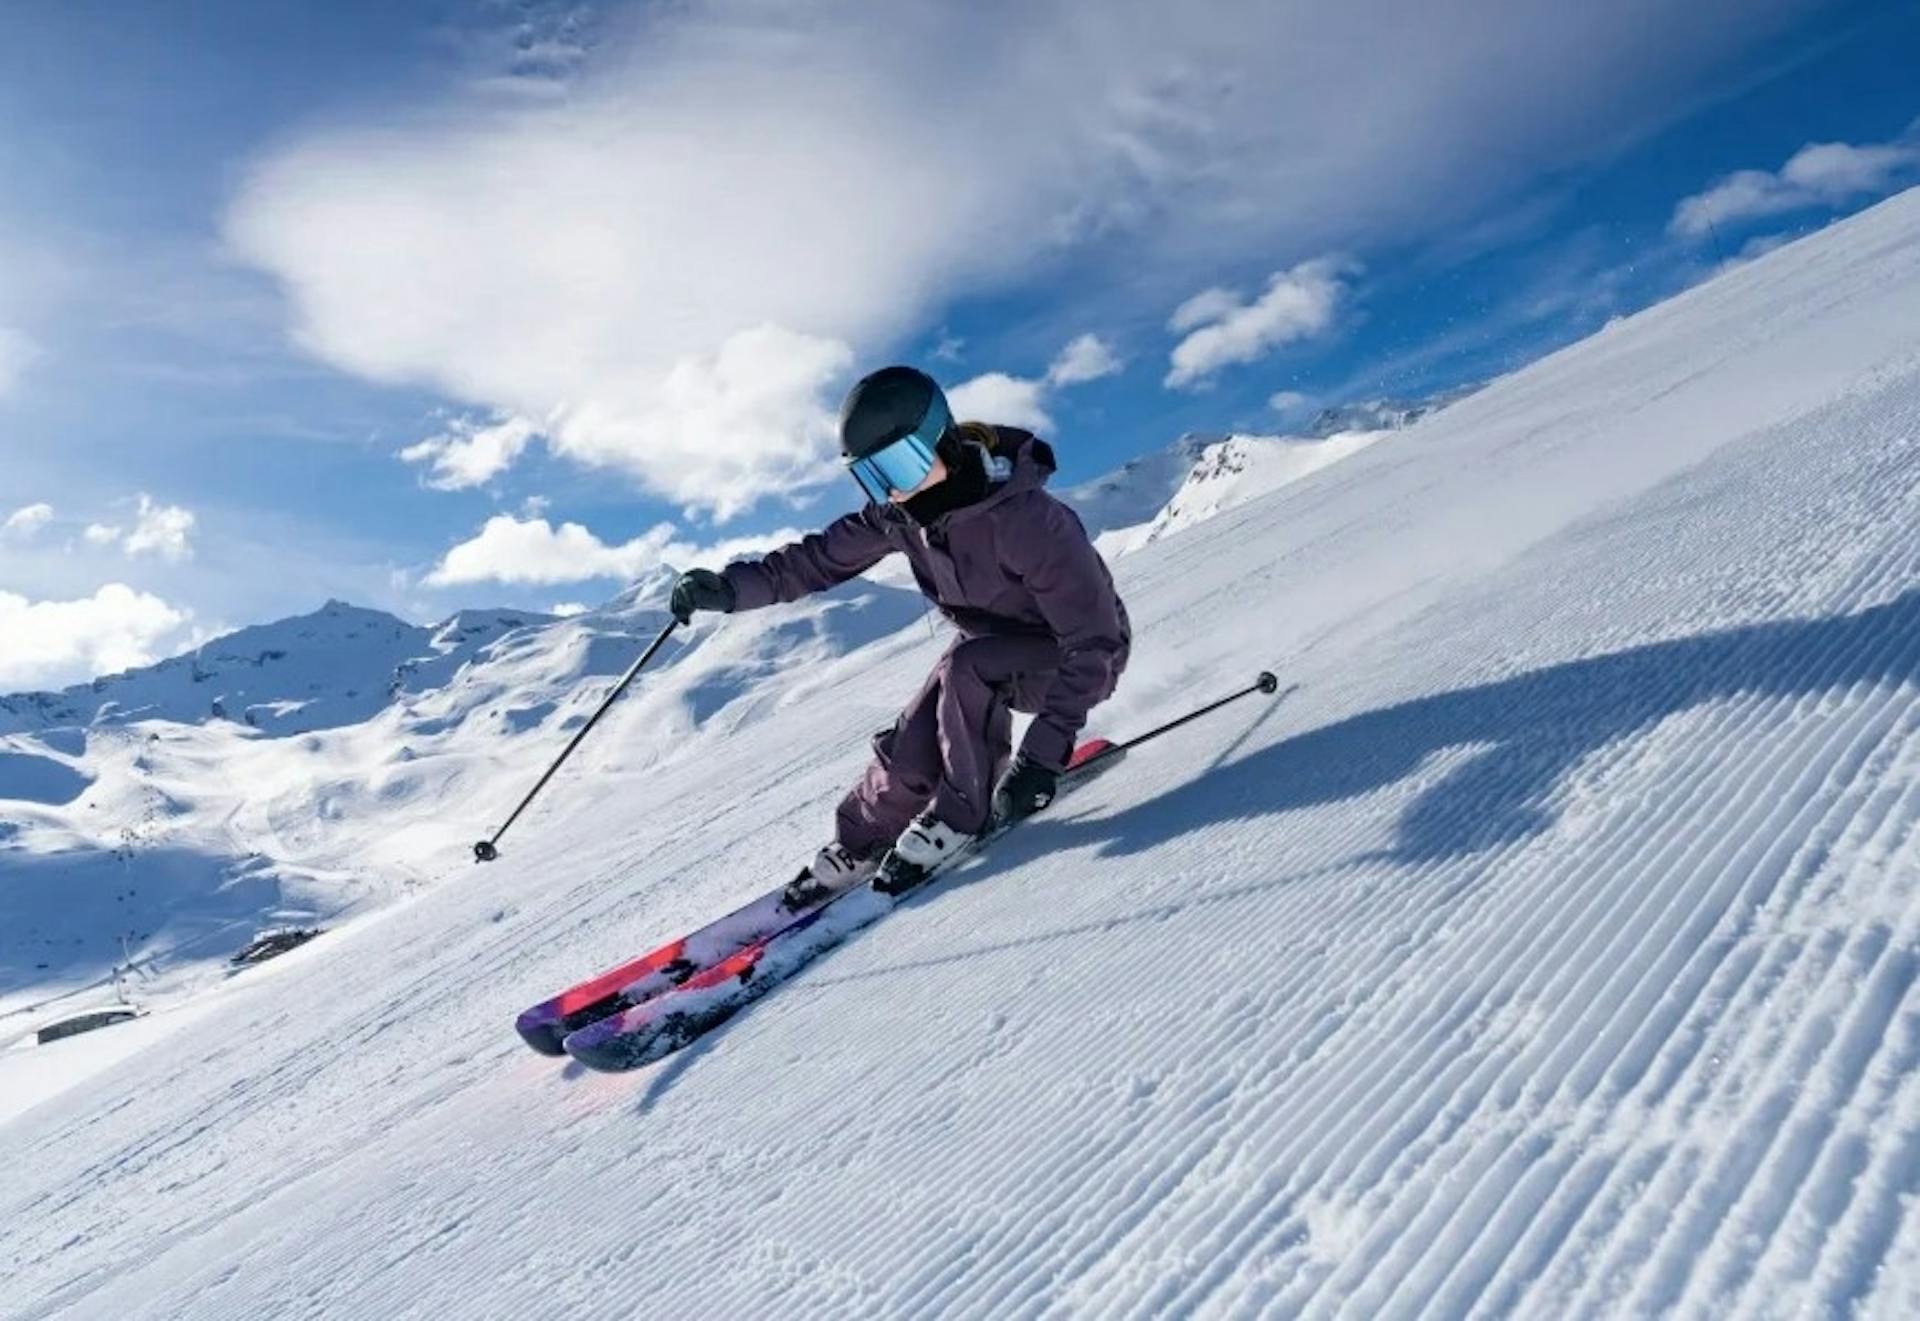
[[335, 665], [1385, 414], [1193, 478]]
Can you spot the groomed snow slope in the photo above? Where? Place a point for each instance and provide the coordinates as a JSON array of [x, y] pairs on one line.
[[1551, 953]]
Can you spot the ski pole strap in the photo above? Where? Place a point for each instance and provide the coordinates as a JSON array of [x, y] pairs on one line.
[[1266, 683]]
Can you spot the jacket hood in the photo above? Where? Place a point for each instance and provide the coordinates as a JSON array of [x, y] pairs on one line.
[[1028, 463]]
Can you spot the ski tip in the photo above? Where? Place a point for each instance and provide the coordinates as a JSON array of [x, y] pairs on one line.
[[543, 1030], [606, 1050]]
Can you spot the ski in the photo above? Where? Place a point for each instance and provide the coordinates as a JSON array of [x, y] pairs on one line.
[[655, 1028], [545, 1026], [651, 1007], [677, 963]]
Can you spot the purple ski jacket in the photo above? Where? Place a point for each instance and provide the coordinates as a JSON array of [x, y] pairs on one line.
[[1016, 561]]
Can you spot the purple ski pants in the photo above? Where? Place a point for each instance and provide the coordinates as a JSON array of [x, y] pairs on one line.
[[950, 746]]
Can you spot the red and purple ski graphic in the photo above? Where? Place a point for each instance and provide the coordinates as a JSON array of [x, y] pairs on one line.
[[546, 1025], [679, 964], [645, 1030]]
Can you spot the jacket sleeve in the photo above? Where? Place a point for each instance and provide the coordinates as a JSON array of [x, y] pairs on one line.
[[847, 548], [1070, 584]]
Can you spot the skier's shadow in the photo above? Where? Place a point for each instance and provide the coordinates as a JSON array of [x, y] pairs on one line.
[[666, 1076], [1534, 727]]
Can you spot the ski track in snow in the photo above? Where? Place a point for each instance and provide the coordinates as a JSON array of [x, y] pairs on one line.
[[1551, 953]]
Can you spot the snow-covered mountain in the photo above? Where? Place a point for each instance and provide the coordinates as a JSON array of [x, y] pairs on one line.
[[326, 764], [1133, 494], [1199, 477], [336, 666], [1553, 951], [1238, 469], [1384, 414]]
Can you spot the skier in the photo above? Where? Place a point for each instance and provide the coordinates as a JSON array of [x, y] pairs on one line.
[[1042, 629]]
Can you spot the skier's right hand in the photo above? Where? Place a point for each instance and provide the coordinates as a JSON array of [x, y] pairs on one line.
[[1026, 788], [700, 589]]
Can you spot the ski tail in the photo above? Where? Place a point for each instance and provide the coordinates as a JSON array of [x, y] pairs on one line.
[[545, 1026], [654, 1029], [650, 1030]]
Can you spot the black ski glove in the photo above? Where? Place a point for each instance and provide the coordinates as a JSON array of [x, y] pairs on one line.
[[701, 589], [1026, 788]]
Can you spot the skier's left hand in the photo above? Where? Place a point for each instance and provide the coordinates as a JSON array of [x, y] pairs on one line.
[[700, 589], [1026, 788]]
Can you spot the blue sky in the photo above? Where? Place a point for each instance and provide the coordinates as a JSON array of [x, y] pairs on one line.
[[451, 304]]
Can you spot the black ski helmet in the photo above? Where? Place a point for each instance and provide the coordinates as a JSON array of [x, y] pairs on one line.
[[888, 404]]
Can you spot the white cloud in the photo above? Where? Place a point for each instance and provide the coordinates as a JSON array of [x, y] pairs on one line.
[[1021, 401], [27, 522], [16, 352], [1013, 401], [568, 609], [1223, 331], [511, 550], [1207, 305], [56, 642], [1821, 174], [469, 453], [675, 263], [719, 432], [1839, 170], [1287, 401], [162, 530], [1087, 358]]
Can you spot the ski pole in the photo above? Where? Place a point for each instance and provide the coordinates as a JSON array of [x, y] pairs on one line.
[[1266, 683], [484, 851]]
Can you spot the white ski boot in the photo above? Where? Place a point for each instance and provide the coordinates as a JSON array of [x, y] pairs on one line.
[[922, 849], [832, 871]]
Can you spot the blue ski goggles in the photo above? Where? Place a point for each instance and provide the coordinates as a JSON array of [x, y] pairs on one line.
[[903, 464]]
